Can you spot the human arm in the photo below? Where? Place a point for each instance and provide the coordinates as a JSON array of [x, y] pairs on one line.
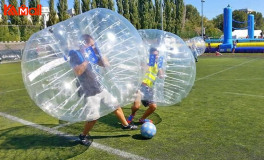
[[103, 62], [78, 62], [79, 69], [161, 74]]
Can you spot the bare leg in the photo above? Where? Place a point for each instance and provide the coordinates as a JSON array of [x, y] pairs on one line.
[[152, 107], [136, 104], [88, 126], [120, 115]]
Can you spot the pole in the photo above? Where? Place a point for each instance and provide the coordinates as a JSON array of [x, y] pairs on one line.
[[18, 31], [80, 7], [45, 22], [161, 14], [202, 19]]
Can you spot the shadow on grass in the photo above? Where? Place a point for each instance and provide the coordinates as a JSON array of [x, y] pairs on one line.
[[103, 137], [26, 137], [110, 123], [139, 137], [26, 142]]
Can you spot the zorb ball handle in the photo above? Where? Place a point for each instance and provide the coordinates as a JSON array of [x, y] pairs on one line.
[[160, 62], [152, 59]]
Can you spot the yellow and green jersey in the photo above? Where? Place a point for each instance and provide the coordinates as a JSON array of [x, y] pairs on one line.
[[151, 75]]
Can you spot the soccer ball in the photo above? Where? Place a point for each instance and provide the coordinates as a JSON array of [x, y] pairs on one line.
[[148, 130]]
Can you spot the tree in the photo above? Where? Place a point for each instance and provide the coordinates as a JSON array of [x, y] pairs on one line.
[[179, 15], [240, 16], [104, 4], [76, 6], [151, 14], [98, 3], [111, 5], [167, 16], [219, 22], [94, 5], [52, 14], [15, 20], [173, 22], [126, 9], [192, 14], [258, 18], [25, 31], [23, 19], [14, 32], [4, 18], [4, 31], [62, 9], [36, 18], [145, 13], [120, 7], [157, 14], [134, 15], [211, 31], [86, 5]]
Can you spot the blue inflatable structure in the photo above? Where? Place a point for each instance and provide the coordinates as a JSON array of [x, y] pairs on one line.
[[228, 44]]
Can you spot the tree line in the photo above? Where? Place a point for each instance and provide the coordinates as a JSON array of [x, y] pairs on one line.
[[178, 18]]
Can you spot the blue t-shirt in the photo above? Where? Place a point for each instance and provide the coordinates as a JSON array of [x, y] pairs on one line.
[[88, 80]]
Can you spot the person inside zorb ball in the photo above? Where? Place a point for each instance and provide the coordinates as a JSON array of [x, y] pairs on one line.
[[197, 46], [170, 72], [85, 67]]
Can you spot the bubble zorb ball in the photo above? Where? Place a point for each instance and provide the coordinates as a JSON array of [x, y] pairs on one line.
[[148, 130], [197, 44], [170, 74], [110, 76]]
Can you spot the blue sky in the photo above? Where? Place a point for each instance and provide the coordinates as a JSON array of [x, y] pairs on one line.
[[212, 8]]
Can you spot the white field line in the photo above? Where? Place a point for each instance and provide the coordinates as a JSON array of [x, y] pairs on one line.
[[72, 137], [225, 69], [63, 125], [12, 90], [243, 94]]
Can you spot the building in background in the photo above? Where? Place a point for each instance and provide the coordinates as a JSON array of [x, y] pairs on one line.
[[246, 10], [45, 15], [71, 12]]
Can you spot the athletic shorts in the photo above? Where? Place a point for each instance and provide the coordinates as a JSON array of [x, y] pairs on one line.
[[100, 105], [146, 95]]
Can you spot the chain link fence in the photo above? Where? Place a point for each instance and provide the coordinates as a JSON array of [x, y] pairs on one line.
[[13, 39], [11, 51]]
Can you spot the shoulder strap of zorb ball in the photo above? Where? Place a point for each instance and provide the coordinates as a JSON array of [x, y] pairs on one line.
[[160, 62], [152, 59]]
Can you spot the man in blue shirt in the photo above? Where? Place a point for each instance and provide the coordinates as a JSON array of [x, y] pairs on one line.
[[82, 61]]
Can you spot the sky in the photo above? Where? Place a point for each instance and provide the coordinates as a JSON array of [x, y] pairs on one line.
[[211, 8]]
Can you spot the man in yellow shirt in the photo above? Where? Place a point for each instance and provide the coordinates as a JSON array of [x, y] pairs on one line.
[[145, 94]]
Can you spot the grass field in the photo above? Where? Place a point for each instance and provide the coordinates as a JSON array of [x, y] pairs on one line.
[[221, 118]]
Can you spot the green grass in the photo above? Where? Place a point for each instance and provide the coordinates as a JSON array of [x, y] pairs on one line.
[[221, 118]]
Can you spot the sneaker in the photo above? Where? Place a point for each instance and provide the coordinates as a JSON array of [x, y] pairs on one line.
[[145, 120], [129, 127], [85, 140], [130, 119]]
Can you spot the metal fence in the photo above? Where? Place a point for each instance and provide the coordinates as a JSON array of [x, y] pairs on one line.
[[11, 51]]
